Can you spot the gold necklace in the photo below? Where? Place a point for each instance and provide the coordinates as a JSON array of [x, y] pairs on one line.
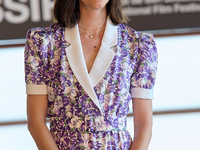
[[90, 34]]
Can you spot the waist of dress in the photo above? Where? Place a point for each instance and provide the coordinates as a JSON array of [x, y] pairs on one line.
[[88, 124]]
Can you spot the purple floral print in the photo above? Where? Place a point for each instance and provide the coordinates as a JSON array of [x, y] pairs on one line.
[[75, 121]]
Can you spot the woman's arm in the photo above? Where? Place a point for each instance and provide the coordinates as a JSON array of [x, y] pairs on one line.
[[142, 112], [36, 113]]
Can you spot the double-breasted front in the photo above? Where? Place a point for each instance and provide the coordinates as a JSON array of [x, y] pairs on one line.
[[88, 110]]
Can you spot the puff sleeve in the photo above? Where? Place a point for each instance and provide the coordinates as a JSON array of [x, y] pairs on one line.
[[35, 61], [145, 67]]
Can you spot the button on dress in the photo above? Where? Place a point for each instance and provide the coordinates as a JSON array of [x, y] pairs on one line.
[[88, 111]]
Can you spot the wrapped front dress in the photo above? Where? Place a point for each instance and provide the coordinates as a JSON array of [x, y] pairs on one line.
[[88, 110]]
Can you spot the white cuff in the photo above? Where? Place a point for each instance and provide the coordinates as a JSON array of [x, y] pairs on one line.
[[36, 89], [142, 93]]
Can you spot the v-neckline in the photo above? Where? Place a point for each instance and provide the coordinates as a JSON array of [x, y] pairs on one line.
[[95, 54], [105, 53], [104, 57]]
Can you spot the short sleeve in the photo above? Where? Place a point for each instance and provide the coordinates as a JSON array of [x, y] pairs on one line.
[[35, 61], [145, 68]]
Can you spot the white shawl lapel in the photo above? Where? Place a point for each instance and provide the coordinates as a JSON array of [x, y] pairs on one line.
[[102, 61], [105, 54]]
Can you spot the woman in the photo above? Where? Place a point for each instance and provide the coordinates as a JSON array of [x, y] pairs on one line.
[[82, 72]]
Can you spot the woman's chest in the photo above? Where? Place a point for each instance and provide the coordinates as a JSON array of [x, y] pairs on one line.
[[90, 48], [111, 91], [117, 75]]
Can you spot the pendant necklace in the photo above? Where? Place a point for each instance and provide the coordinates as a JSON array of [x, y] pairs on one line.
[[90, 32], [91, 36]]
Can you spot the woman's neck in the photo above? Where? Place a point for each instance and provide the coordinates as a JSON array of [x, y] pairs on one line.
[[91, 19]]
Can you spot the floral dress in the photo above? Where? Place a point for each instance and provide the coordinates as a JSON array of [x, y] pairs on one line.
[[88, 110]]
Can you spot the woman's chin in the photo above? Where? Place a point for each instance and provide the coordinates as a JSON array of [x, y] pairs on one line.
[[95, 4]]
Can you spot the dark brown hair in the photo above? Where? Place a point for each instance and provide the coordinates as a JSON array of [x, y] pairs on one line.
[[66, 12]]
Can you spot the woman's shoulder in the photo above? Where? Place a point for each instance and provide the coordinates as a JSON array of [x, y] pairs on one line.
[[130, 32], [132, 38], [39, 32]]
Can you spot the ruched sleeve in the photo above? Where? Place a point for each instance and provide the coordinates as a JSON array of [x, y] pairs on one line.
[[145, 67], [35, 57]]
